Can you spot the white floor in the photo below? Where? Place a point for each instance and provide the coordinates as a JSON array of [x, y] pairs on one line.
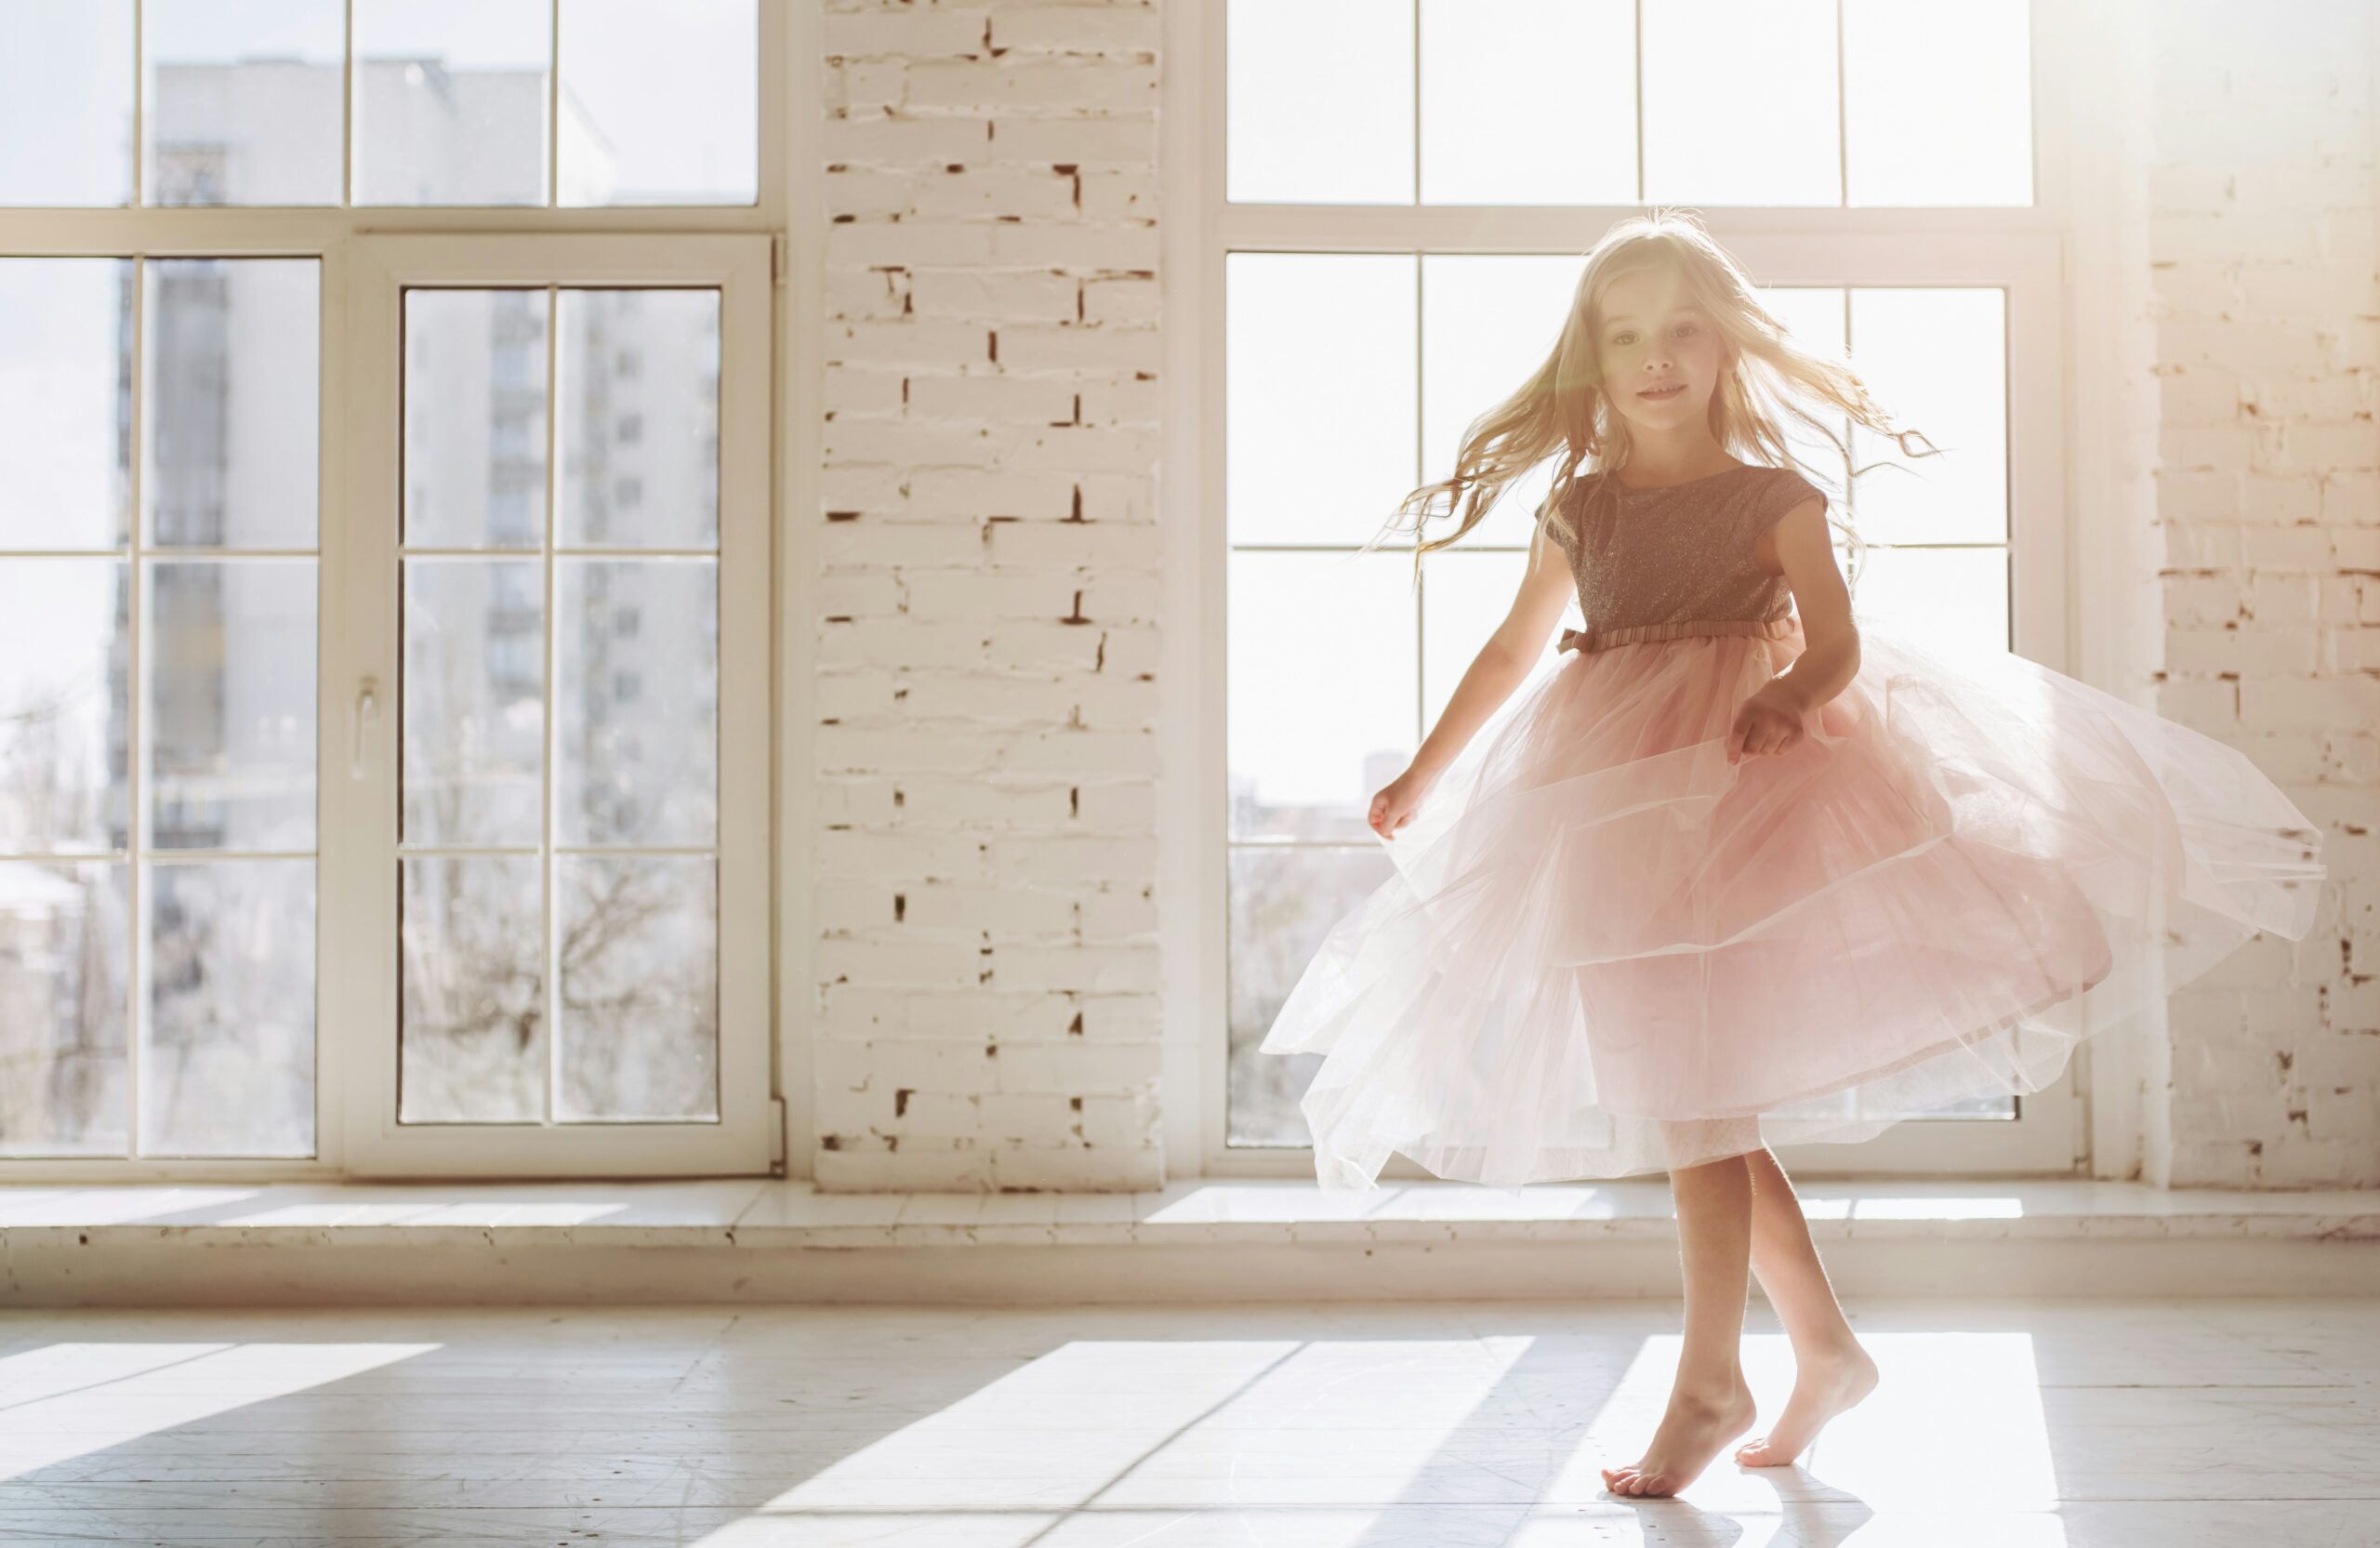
[[1999, 1424]]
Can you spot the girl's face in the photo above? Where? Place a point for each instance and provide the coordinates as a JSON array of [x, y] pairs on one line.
[[1661, 355]]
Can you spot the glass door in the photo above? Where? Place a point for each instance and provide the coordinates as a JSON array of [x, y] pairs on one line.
[[559, 495]]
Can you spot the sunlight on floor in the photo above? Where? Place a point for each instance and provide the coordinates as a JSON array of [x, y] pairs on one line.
[[66, 1400], [2001, 1423], [1340, 1442]]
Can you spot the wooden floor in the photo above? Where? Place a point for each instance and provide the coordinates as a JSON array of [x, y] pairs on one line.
[[1998, 1425]]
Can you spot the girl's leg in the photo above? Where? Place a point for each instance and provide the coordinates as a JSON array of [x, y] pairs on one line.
[[1831, 1372], [1709, 1404]]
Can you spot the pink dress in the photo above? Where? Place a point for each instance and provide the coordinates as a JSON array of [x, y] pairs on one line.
[[1605, 950]]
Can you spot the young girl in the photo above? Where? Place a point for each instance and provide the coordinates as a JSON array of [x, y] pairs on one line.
[[1744, 871]]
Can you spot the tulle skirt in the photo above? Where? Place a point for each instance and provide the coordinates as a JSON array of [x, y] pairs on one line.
[[1605, 950]]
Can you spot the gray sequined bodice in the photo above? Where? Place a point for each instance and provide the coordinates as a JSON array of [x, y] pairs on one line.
[[1656, 563]]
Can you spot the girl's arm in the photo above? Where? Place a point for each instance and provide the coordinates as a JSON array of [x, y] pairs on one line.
[[1504, 661], [1770, 721]]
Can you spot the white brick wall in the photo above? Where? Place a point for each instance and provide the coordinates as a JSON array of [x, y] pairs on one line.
[[986, 1005], [2262, 245]]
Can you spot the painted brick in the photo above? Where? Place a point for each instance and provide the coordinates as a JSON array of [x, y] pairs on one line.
[[2263, 301], [988, 594]]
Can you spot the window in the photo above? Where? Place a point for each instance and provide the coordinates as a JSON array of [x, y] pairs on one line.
[[488, 916], [1407, 188], [157, 627], [454, 102]]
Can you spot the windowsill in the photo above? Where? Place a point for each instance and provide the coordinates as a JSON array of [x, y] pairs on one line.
[[755, 1240], [758, 1212]]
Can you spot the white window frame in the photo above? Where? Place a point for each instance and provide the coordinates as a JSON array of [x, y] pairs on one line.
[[350, 1033], [2021, 250], [366, 992]]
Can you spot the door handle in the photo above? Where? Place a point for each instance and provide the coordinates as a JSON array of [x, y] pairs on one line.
[[367, 709]]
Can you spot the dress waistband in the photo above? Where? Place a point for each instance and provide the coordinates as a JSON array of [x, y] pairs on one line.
[[1628, 634]]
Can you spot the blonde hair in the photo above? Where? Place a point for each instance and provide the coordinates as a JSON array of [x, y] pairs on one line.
[[1562, 410]]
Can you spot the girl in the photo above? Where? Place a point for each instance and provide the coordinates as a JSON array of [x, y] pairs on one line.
[[1746, 870]]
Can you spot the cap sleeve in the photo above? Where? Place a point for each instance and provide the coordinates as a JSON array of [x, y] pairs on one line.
[[1575, 502], [1784, 489]]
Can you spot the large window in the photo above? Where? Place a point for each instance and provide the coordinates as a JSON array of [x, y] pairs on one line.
[[1405, 192], [452, 103], [383, 617], [158, 514]]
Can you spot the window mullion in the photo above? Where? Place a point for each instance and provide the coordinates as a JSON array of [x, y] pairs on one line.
[[136, 784]]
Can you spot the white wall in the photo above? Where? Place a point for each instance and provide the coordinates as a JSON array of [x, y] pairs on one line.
[[985, 1011], [2262, 256]]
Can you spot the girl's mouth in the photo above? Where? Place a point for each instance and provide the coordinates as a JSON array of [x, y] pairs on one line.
[[1661, 392]]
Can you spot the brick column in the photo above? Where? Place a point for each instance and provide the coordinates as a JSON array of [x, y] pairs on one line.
[[986, 1009], [2263, 252]]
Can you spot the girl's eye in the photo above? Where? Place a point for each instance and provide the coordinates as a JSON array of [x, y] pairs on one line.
[[1620, 338]]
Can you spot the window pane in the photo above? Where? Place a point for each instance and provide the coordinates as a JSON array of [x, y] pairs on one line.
[[475, 418], [234, 395], [472, 1046], [228, 1054], [1815, 316], [64, 949], [1528, 102], [639, 986], [1937, 102], [450, 100], [639, 419], [246, 104], [1939, 357], [473, 701], [660, 107], [1487, 324], [62, 654], [66, 103], [1319, 106], [230, 704], [1464, 596], [65, 402], [1322, 692], [1948, 599], [637, 736], [1283, 903], [1741, 102], [1319, 394]]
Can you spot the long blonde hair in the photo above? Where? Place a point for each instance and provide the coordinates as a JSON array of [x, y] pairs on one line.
[[1562, 410]]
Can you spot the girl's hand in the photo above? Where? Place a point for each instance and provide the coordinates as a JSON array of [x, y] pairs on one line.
[[1395, 803], [1770, 721]]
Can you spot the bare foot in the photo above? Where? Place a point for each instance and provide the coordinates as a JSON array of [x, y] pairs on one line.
[[1690, 1435], [1823, 1386]]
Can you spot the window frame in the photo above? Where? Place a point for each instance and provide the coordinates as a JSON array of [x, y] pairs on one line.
[[342, 238], [2022, 250], [368, 1003]]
